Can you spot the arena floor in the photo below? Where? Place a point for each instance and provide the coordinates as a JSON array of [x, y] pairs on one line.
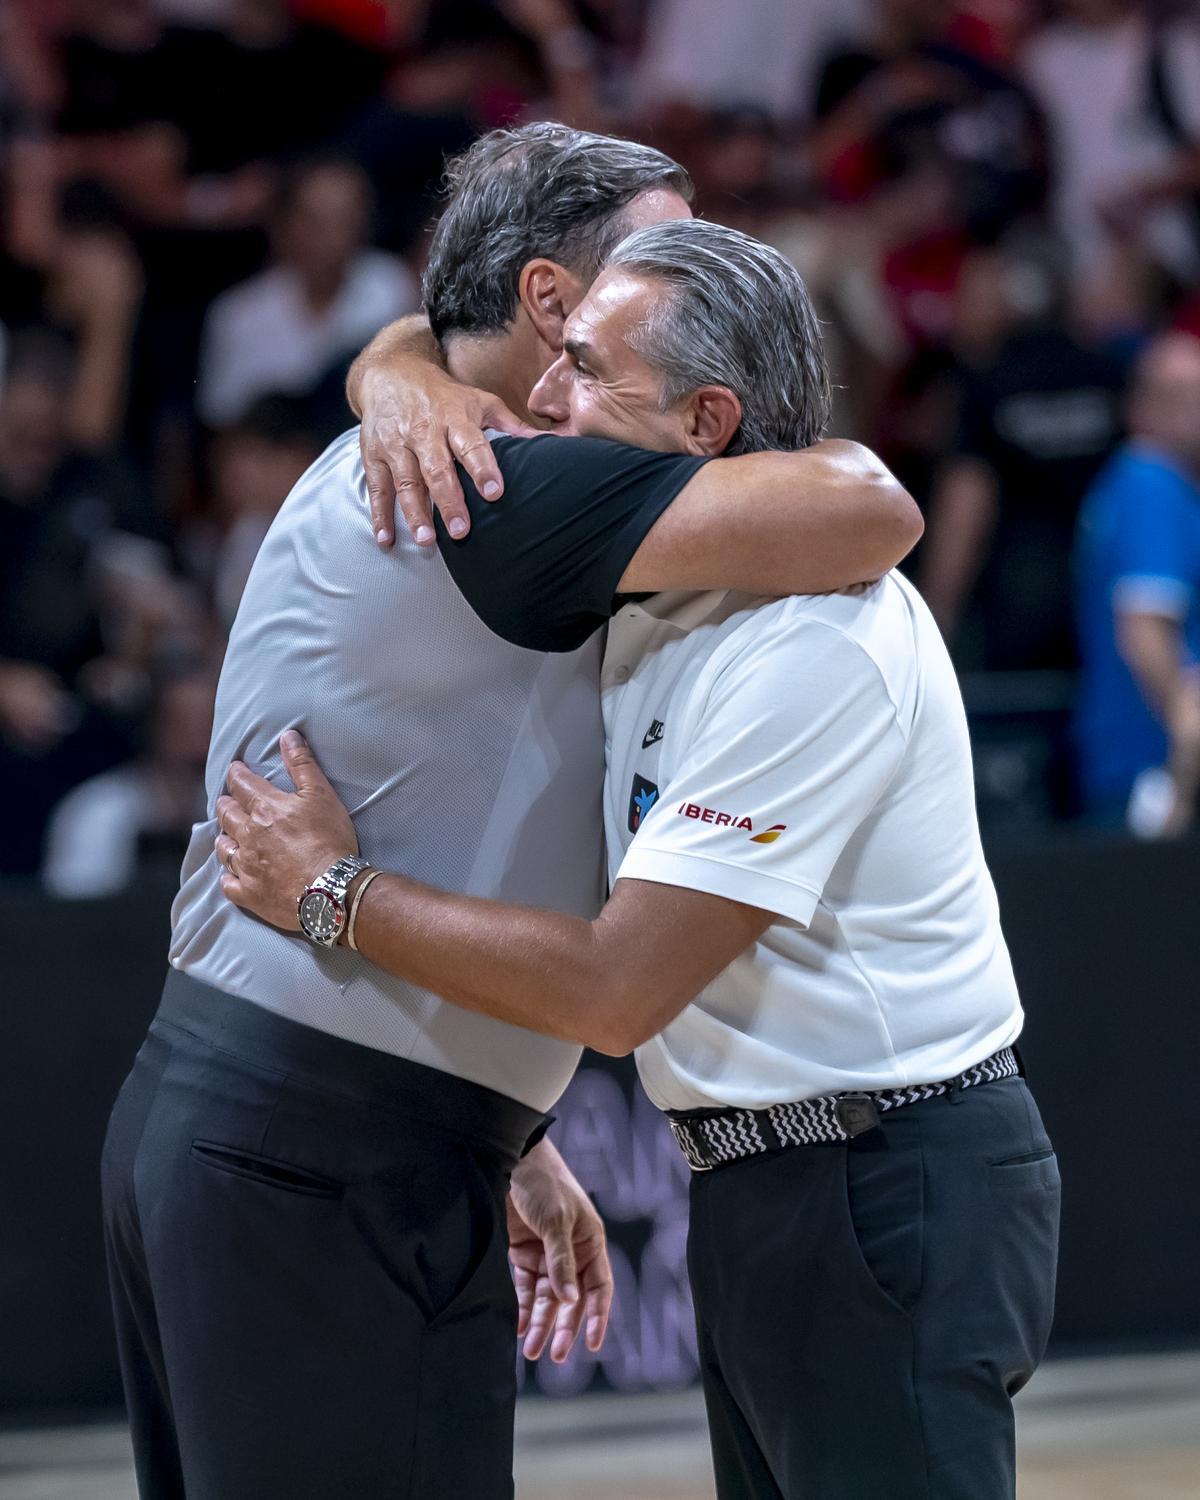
[[1113, 1429]]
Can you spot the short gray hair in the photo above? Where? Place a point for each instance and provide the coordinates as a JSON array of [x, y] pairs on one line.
[[737, 314], [543, 189]]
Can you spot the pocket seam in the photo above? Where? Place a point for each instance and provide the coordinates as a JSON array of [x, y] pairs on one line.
[[220, 1157], [894, 1303]]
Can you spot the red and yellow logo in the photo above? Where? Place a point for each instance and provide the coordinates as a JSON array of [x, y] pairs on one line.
[[730, 820]]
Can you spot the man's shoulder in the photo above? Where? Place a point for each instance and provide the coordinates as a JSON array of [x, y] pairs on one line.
[[1139, 475], [873, 628]]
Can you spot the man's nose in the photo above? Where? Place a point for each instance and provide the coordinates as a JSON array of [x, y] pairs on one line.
[[548, 399]]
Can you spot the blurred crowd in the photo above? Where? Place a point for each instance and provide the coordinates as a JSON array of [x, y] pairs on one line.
[[208, 206]]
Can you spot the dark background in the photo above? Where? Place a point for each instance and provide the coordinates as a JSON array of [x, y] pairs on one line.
[[1105, 942]]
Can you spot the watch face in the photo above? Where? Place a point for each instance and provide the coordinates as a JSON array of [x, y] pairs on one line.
[[320, 916]]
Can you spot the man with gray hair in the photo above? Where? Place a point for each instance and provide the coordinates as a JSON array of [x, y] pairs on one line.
[[801, 943], [314, 1170]]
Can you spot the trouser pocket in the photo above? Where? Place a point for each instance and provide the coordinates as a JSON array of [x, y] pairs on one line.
[[265, 1170], [885, 1209]]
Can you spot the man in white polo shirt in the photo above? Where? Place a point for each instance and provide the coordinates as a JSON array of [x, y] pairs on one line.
[[802, 941]]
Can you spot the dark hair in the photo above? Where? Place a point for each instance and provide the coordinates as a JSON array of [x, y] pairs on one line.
[[516, 194]]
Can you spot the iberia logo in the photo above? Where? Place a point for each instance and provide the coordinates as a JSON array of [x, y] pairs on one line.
[[730, 820]]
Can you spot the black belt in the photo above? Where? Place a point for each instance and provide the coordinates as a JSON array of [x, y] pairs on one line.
[[714, 1137]]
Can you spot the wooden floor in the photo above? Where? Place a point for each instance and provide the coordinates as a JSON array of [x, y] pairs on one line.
[[1124, 1429]]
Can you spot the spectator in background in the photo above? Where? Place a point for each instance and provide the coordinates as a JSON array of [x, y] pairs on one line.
[[254, 465], [114, 825], [1040, 412], [1138, 582], [714, 55], [1121, 92], [57, 509], [912, 90], [324, 295]]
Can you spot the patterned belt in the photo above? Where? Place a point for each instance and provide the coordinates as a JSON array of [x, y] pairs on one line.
[[713, 1138]]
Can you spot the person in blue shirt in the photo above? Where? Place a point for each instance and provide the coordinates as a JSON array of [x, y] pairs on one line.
[[1138, 598]]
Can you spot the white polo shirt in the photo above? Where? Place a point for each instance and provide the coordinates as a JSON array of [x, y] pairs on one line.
[[808, 756]]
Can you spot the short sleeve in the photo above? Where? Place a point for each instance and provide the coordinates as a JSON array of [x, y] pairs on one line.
[[1153, 547], [540, 567], [796, 743]]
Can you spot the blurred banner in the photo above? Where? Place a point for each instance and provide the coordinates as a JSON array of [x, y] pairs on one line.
[[1105, 940]]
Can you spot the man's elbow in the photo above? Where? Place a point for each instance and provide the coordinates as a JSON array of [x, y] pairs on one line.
[[628, 1017], [901, 525]]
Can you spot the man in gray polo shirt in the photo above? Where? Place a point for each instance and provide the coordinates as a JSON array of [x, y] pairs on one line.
[[305, 1174]]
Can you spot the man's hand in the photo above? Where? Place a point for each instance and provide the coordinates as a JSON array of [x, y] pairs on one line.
[[557, 1249], [416, 421], [275, 843]]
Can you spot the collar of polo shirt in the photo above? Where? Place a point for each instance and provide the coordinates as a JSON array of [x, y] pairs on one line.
[[682, 609]]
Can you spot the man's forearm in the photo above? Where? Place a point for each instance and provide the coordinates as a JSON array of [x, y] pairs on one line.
[[1153, 649], [780, 523], [532, 968], [409, 338], [610, 984]]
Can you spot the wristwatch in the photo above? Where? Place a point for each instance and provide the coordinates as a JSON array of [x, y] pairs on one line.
[[322, 905]]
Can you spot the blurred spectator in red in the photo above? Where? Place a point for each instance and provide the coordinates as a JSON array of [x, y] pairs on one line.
[[324, 295], [1039, 414], [1121, 91], [910, 91], [1138, 583], [108, 829]]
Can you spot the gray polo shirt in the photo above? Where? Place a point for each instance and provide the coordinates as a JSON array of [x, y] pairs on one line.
[[467, 760]]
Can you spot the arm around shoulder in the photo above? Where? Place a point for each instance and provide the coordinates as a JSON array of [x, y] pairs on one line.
[[780, 523]]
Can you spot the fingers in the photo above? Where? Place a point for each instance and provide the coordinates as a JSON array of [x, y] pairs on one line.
[[381, 492], [597, 1308], [246, 787], [525, 1282], [300, 763], [475, 454], [231, 819], [412, 496], [441, 478], [541, 1318], [224, 848], [566, 1330], [560, 1263]]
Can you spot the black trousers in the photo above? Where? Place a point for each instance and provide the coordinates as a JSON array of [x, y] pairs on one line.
[[867, 1311], [307, 1254]]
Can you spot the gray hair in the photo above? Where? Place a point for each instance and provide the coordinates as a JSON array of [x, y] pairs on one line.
[[514, 195], [737, 314]]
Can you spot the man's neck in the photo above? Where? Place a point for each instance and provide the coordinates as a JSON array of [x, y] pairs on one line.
[[507, 364]]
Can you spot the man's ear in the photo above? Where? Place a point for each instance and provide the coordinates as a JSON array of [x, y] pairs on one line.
[[548, 294], [713, 416]]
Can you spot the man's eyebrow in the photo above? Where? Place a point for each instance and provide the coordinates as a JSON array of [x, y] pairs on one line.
[[576, 347]]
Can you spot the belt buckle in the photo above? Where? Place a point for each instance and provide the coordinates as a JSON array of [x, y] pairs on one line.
[[856, 1114], [692, 1144]]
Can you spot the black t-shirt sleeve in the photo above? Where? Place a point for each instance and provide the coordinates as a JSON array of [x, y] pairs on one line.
[[540, 566]]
